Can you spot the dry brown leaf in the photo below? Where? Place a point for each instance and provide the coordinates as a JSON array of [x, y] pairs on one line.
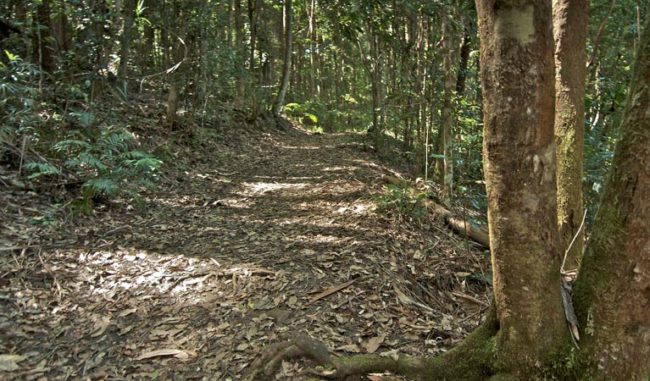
[[9, 363], [100, 326], [178, 353], [127, 312], [373, 344]]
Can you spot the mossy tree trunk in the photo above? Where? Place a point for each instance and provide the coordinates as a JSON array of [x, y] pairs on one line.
[[570, 28], [612, 293], [517, 71]]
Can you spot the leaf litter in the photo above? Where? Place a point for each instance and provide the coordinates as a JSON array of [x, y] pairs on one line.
[[257, 234]]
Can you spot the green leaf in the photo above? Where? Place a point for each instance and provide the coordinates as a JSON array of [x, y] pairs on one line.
[[10, 56]]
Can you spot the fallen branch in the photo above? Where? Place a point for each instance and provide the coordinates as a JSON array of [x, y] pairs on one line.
[[466, 228]]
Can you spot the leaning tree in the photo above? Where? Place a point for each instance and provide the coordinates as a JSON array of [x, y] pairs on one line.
[[526, 335]]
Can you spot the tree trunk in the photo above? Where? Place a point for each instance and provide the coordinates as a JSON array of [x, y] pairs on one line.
[[447, 121], [125, 41], [519, 163], [239, 41], [612, 292], [43, 48], [465, 48], [570, 28], [286, 68]]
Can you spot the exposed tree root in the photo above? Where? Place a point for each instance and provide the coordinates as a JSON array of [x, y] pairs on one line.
[[472, 359]]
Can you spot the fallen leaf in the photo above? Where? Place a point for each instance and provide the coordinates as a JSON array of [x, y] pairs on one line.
[[373, 344], [100, 326], [127, 312], [179, 354], [9, 363]]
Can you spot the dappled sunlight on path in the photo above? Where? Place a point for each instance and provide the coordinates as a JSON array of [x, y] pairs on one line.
[[231, 255]]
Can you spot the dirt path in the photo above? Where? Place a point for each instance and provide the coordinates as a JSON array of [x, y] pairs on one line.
[[248, 244]]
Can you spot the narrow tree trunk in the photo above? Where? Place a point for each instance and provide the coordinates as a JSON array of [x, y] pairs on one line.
[[253, 6], [125, 41], [570, 28], [239, 41], [60, 27], [286, 68], [465, 48], [447, 122], [519, 163], [312, 45], [612, 292], [43, 49]]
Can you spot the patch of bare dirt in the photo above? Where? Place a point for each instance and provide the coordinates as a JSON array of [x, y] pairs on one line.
[[258, 235]]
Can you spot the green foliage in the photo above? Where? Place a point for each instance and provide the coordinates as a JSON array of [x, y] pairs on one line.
[[19, 100], [316, 130], [400, 200], [305, 114], [310, 119], [294, 109], [107, 165]]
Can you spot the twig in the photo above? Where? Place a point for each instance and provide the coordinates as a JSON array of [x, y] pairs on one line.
[[470, 298], [330, 291]]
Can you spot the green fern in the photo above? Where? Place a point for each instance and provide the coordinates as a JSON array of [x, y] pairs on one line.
[[100, 186], [39, 169], [71, 145]]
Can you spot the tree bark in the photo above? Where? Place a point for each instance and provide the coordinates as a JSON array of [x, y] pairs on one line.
[[125, 41], [519, 164], [570, 27], [465, 48], [44, 50], [239, 41], [286, 67], [612, 292], [447, 121]]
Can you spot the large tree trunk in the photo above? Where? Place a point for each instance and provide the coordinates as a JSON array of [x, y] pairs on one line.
[[570, 28], [286, 70], [612, 293], [517, 73]]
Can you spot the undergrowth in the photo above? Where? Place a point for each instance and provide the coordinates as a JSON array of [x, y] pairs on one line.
[[401, 201], [52, 136]]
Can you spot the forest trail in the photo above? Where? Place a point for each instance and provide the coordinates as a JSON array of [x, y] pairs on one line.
[[249, 243]]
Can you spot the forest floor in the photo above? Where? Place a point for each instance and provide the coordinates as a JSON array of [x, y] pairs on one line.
[[255, 234]]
